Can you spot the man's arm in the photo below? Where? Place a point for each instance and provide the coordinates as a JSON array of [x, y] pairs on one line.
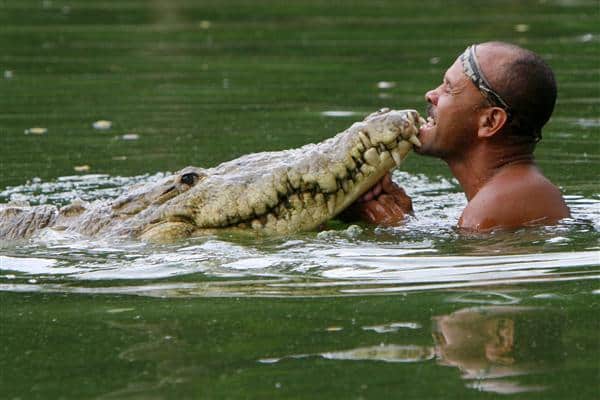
[[385, 204]]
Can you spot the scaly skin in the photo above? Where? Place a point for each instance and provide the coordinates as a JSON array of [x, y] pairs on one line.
[[272, 192]]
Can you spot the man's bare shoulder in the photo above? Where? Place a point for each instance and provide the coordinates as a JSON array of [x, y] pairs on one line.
[[518, 196]]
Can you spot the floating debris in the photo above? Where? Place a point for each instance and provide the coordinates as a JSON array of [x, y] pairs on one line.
[[82, 168], [130, 136], [338, 113], [119, 158], [385, 85], [204, 24], [521, 28], [119, 310], [36, 130], [434, 60], [588, 37], [8, 74], [102, 125], [392, 327], [334, 328]]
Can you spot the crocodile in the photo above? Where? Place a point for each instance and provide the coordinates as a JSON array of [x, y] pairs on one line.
[[279, 192]]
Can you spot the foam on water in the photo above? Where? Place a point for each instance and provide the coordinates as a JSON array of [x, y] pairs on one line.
[[425, 253]]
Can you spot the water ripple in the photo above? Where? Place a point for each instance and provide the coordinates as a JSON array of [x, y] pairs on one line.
[[425, 253]]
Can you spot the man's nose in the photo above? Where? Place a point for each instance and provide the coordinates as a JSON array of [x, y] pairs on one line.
[[432, 97]]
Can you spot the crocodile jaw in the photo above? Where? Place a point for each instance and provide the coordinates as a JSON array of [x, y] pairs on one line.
[[292, 190]]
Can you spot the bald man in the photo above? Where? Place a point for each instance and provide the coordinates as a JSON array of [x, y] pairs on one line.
[[484, 121]]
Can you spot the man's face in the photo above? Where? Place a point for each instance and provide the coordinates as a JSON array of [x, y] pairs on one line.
[[452, 109]]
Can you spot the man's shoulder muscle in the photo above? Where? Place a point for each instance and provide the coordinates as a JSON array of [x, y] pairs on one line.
[[514, 200]]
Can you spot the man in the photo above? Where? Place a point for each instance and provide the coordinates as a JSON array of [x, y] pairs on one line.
[[484, 122]]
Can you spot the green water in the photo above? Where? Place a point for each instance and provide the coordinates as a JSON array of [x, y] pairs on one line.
[[330, 315]]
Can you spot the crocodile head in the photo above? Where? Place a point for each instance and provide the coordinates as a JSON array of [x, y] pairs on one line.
[[276, 192]]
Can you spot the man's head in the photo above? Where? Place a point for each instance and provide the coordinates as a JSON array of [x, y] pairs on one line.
[[493, 90]]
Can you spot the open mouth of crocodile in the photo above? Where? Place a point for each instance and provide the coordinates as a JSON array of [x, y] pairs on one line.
[[308, 200], [272, 194]]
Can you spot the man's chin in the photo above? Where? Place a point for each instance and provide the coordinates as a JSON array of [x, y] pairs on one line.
[[425, 136]]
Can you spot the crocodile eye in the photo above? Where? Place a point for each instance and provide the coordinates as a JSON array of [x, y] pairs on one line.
[[189, 179]]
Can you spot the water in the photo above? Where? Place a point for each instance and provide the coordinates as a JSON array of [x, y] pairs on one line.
[[415, 311]]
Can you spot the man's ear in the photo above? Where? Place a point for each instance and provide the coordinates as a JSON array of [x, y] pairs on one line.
[[491, 121]]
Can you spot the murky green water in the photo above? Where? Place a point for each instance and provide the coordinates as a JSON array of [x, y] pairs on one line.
[[418, 311]]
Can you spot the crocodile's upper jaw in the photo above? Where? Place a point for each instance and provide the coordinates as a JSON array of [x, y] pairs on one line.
[[292, 190]]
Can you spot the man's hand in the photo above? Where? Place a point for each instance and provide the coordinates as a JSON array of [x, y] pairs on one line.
[[385, 204]]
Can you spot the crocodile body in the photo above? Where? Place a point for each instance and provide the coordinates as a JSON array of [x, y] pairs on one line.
[[272, 192]]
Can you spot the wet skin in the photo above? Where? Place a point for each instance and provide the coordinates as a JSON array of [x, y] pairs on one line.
[[504, 187]]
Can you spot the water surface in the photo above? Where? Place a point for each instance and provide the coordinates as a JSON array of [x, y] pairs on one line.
[[416, 311]]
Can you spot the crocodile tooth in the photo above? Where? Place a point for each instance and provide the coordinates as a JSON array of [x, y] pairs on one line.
[[345, 186], [271, 220], [294, 178], [260, 208], [339, 198], [256, 224], [319, 199], [308, 200], [371, 157], [396, 156], [403, 148], [327, 182], [349, 163], [364, 139], [367, 169], [331, 204], [391, 145], [350, 184], [281, 187], [271, 197], [339, 170], [414, 140], [295, 202], [385, 157]]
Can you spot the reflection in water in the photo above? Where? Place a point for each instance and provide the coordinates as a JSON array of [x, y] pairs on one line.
[[492, 346]]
